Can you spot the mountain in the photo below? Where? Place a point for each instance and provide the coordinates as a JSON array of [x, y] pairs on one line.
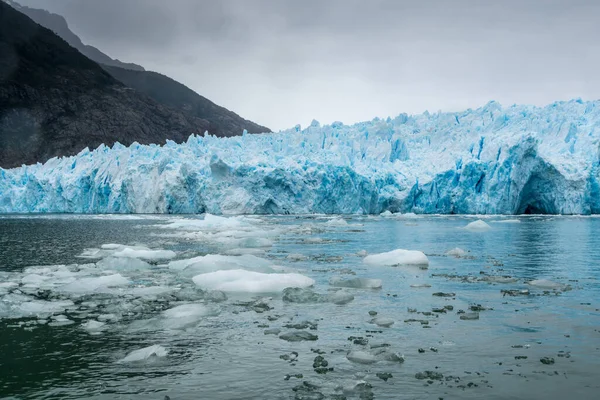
[[162, 89], [173, 94], [54, 101], [58, 25]]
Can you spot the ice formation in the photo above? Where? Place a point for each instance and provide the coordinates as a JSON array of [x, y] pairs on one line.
[[397, 257], [492, 160], [145, 353], [477, 226], [240, 280]]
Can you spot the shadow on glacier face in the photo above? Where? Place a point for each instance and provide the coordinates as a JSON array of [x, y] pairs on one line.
[[538, 195]]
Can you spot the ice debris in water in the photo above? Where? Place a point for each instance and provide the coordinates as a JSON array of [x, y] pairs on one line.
[[457, 252], [145, 354], [307, 296], [216, 262], [490, 160], [397, 257], [337, 222], [356, 283], [548, 284], [240, 280], [383, 322], [96, 284], [122, 251], [185, 315], [477, 226], [508, 221], [93, 327], [374, 355]]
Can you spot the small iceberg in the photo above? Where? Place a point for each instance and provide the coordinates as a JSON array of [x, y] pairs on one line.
[[397, 257]]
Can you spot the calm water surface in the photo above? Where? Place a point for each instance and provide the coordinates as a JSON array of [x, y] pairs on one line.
[[224, 353]]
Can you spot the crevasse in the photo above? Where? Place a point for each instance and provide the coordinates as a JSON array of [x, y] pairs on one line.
[[492, 160]]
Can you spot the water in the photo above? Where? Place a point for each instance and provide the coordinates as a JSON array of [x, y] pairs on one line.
[[224, 353]]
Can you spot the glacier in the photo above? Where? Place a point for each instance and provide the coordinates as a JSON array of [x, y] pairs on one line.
[[491, 160]]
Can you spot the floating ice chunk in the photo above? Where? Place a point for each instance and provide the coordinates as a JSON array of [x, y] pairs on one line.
[[210, 223], [216, 296], [34, 280], [386, 213], [245, 251], [362, 253], [362, 357], [186, 315], [89, 285], [356, 283], [150, 291], [216, 262], [302, 295], [420, 285], [508, 221], [340, 297], [298, 336], [457, 252], [108, 317], [145, 354], [240, 280], [498, 279], [383, 322], [397, 257], [40, 307], [477, 226], [122, 264], [296, 257], [6, 287], [111, 246], [337, 222], [146, 254], [93, 327], [548, 284], [60, 320], [188, 310]]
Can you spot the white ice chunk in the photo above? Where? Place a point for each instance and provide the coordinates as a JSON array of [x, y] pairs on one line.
[[457, 252], [93, 326], [145, 354], [89, 285], [397, 257], [477, 226], [339, 222], [40, 307], [361, 357], [240, 280], [547, 284], [145, 254], [216, 262]]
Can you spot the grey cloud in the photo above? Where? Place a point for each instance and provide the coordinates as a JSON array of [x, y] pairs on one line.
[[280, 62]]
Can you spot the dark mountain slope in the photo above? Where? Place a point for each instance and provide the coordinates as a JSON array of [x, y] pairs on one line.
[[173, 94], [58, 25], [159, 87], [54, 101]]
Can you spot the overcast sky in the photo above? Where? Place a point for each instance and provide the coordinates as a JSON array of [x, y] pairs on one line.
[[283, 62]]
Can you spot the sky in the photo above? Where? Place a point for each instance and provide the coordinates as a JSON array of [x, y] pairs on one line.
[[287, 62]]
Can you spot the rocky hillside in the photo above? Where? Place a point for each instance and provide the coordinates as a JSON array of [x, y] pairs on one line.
[[173, 94], [160, 88], [54, 101]]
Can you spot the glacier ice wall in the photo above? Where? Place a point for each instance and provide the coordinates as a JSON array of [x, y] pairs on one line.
[[520, 159]]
